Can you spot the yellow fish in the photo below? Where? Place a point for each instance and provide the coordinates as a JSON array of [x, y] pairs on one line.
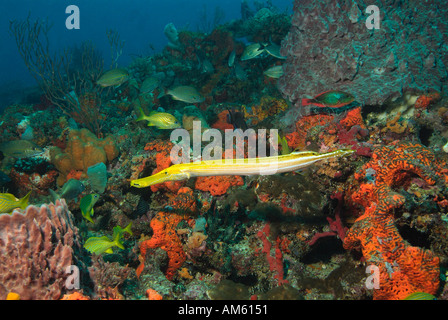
[[420, 296], [113, 77], [241, 167], [118, 231], [9, 202], [161, 120], [284, 144], [99, 245], [86, 205]]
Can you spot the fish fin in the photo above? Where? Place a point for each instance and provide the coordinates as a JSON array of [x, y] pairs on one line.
[[109, 250], [88, 215], [142, 115], [306, 101], [54, 195], [284, 144], [162, 93], [128, 228], [118, 243], [24, 201]]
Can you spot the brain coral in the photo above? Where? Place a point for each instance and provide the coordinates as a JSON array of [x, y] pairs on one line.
[[329, 47]]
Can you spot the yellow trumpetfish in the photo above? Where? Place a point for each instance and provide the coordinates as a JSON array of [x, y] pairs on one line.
[[239, 167]]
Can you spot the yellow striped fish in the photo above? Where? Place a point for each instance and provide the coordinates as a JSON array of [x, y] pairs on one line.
[[9, 202], [99, 245], [240, 167], [113, 77], [420, 296], [161, 120]]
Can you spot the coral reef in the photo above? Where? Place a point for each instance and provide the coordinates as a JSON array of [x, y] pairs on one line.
[[308, 234], [164, 232], [217, 185], [372, 65], [163, 161], [36, 247], [403, 268], [275, 261], [107, 278], [267, 107]]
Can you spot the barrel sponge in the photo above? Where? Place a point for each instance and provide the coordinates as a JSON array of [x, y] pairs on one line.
[[83, 150], [36, 247]]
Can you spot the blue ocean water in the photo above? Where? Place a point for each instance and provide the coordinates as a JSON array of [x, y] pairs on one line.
[[140, 24]]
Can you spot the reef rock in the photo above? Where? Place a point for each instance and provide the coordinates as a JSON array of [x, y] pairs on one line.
[[330, 47]]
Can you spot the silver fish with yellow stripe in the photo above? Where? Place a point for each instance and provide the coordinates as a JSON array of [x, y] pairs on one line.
[[274, 72], [99, 245]]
